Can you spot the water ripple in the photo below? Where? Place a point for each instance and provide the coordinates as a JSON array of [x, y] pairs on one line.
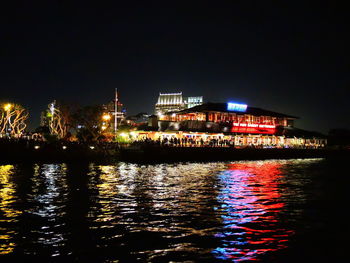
[[237, 211]]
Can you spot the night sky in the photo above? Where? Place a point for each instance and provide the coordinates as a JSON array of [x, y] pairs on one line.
[[290, 58]]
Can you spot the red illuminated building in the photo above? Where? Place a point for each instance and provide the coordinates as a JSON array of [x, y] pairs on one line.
[[230, 124], [228, 118]]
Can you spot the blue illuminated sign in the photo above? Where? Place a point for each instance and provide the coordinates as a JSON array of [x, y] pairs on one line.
[[232, 106]]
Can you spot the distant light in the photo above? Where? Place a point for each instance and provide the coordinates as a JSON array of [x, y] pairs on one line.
[[52, 108], [232, 106], [64, 147], [92, 147], [123, 134], [106, 117], [7, 106], [103, 127], [36, 147], [173, 115], [133, 134]]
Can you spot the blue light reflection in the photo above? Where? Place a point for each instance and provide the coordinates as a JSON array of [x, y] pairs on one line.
[[250, 202]]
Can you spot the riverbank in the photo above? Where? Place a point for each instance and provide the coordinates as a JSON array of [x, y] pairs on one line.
[[21, 151], [177, 154], [30, 151]]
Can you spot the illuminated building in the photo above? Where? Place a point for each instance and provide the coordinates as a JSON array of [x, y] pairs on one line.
[[170, 102], [237, 123], [228, 117], [138, 119], [193, 101]]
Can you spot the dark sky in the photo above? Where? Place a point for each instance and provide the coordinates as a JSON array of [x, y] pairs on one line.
[[292, 58]]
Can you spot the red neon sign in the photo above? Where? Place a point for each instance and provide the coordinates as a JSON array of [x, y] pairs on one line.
[[253, 128]]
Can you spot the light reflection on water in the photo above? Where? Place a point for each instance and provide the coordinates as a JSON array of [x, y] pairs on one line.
[[250, 193], [164, 212], [8, 213]]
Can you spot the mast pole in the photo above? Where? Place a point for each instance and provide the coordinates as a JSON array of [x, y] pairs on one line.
[[116, 112]]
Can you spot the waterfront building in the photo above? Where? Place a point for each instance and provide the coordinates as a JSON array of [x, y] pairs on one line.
[[226, 117], [170, 102], [200, 139], [235, 124], [139, 119], [193, 101]]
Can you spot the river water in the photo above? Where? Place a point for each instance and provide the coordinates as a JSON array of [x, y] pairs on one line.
[[269, 211]]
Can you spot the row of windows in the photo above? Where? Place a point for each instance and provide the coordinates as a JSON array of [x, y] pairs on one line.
[[227, 117]]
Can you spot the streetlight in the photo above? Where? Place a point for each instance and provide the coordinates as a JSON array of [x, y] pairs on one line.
[[123, 134], [106, 117], [7, 106]]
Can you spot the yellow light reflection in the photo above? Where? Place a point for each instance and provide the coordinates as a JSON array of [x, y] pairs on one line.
[[7, 197]]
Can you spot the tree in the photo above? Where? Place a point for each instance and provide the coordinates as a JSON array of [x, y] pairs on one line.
[[88, 123], [13, 119], [58, 118]]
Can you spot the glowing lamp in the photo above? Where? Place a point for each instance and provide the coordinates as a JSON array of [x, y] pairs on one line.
[[7, 106], [64, 147], [232, 106], [106, 117], [36, 147], [92, 147]]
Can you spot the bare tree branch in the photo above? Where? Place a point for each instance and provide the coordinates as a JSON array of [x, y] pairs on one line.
[[13, 119]]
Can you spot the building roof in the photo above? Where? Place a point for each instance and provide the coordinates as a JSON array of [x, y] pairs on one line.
[[170, 99], [222, 107]]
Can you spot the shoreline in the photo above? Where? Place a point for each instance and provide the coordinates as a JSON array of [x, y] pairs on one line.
[[179, 154], [156, 154], [55, 153]]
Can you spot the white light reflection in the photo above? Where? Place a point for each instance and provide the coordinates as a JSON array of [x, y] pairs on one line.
[[49, 192]]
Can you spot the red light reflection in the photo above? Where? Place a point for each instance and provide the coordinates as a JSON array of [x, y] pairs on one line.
[[250, 203]]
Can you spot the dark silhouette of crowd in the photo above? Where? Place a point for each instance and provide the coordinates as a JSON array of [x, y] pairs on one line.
[[186, 142]]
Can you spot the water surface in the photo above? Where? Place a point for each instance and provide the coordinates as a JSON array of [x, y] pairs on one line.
[[270, 211]]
